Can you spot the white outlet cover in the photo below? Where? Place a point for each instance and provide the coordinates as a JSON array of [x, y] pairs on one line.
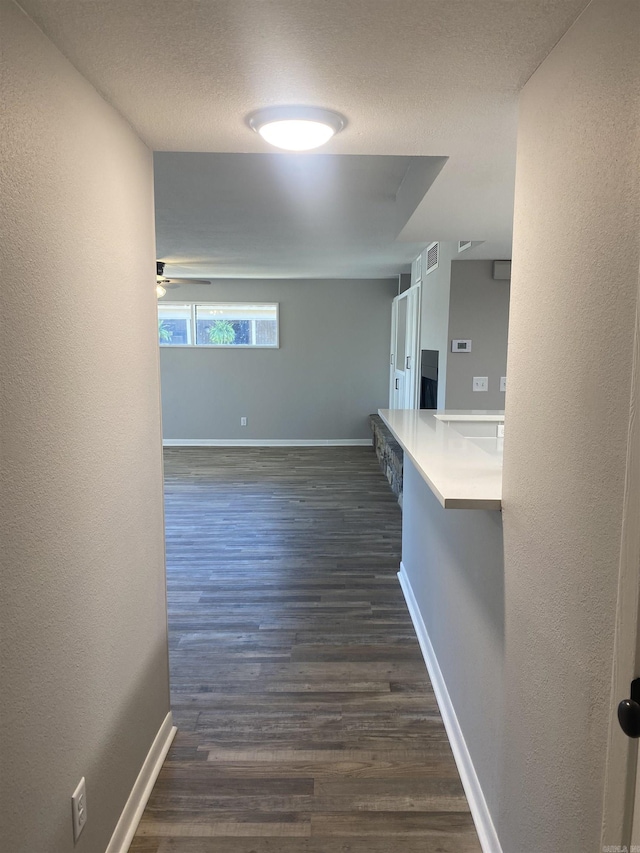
[[243, 421], [79, 808], [480, 383], [503, 383]]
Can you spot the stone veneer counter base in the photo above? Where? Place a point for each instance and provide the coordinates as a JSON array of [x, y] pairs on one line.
[[390, 454]]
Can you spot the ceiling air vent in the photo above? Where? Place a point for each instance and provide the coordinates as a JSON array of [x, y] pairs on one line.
[[433, 253], [463, 244]]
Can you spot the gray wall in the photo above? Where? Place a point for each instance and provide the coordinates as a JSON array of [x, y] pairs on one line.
[[330, 372], [82, 610], [434, 318], [454, 562], [479, 310], [573, 301]]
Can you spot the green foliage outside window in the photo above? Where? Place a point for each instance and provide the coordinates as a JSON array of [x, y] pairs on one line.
[[164, 332], [222, 332]]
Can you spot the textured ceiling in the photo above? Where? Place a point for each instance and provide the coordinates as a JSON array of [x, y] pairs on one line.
[[413, 77]]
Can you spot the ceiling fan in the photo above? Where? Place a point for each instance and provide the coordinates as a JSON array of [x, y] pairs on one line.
[[163, 282]]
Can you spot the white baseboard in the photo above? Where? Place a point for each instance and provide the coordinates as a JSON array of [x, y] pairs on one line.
[[141, 791], [478, 805], [267, 442]]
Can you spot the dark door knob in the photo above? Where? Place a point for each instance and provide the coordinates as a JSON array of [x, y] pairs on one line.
[[629, 711]]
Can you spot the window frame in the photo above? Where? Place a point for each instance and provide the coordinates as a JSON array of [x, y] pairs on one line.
[[193, 325], [189, 320]]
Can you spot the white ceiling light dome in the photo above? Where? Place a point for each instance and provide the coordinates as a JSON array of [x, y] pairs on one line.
[[296, 128]]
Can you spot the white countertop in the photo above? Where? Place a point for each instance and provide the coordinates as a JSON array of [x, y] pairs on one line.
[[460, 473]]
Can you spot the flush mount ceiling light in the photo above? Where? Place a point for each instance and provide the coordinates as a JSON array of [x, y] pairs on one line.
[[296, 128]]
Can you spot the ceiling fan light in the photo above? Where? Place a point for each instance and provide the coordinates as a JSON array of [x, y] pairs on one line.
[[296, 128], [160, 291]]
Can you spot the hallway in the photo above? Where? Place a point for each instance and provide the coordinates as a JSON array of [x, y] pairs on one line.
[[306, 720]]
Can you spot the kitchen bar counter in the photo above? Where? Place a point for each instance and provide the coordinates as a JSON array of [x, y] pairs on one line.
[[462, 471]]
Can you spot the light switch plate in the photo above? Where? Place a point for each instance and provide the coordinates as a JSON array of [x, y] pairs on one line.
[[480, 383], [503, 383]]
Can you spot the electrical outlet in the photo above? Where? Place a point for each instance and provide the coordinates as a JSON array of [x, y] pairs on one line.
[[243, 421], [480, 383], [79, 808], [500, 430], [503, 383]]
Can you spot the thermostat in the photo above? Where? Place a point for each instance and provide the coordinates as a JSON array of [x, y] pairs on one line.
[[460, 346]]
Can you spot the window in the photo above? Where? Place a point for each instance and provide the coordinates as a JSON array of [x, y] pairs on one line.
[[237, 325], [174, 325], [218, 324]]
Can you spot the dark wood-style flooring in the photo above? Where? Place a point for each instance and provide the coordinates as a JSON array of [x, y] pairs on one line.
[[307, 723]]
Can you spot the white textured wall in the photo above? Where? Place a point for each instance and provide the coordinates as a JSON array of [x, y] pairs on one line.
[[83, 667], [573, 300], [329, 374], [479, 310]]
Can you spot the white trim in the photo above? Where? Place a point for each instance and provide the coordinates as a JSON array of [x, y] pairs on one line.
[[267, 442], [470, 782], [618, 816], [418, 270], [413, 295], [142, 787], [219, 346]]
